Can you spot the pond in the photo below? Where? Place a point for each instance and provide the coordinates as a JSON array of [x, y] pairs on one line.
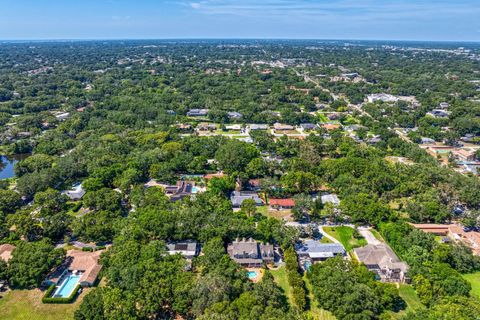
[[7, 163]]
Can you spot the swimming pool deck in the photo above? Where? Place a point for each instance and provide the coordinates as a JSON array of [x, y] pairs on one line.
[[259, 272]]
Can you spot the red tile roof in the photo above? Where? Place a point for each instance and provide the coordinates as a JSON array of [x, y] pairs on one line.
[[282, 202]]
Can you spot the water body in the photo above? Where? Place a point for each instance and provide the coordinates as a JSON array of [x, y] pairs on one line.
[[7, 163]]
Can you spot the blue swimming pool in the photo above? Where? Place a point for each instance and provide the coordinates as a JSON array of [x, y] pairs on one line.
[[252, 274], [66, 287], [194, 190]]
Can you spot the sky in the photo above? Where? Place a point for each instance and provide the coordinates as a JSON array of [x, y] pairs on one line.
[[433, 20]]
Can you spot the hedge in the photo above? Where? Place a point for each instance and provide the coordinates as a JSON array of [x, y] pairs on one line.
[[47, 299], [295, 279]]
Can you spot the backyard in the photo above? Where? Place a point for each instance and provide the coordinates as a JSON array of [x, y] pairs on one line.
[[474, 279], [22, 304], [346, 237], [280, 276]]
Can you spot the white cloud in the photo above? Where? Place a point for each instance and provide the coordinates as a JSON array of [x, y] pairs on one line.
[[195, 5]]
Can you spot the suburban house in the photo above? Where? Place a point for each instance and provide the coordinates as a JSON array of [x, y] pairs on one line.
[[330, 198], [234, 115], [280, 204], [258, 127], [204, 126], [177, 191], [250, 253], [464, 155], [454, 232], [330, 126], [313, 251], [237, 198], [308, 126], [383, 261], [184, 126], [76, 193], [283, 127], [438, 113], [372, 98], [83, 265], [188, 249], [6, 251], [235, 127], [197, 113]]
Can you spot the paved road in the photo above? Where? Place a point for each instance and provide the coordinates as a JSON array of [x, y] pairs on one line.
[[368, 235]]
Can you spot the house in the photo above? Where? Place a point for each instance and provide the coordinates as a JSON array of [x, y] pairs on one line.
[[197, 113], [308, 126], [330, 126], [237, 198], [210, 176], [424, 140], [6, 251], [253, 185], [258, 127], [84, 264], [177, 191], [374, 140], [436, 229], [333, 116], [444, 105], [234, 127], [250, 253], [184, 126], [283, 127], [188, 249], [372, 98], [62, 116], [464, 155], [469, 238], [234, 115], [204, 126], [383, 261], [281, 204], [330, 198], [76, 193], [313, 251], [438, 113]]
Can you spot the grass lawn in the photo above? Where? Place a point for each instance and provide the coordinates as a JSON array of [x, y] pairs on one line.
[[277, 214], [345, 236], [474, 279], [322, 117], [325, 240], [280, 277], [377, 235], [27, 305], [408, 294]]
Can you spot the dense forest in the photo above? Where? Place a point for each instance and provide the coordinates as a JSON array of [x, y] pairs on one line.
[[107, 115]]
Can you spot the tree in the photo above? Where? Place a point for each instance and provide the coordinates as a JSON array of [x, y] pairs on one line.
[[31, 261], [92, 307], [249, 207], [234, 155], [9, 201]]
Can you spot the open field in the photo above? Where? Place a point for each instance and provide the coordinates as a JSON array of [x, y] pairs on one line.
[[345, 236], [27, 305], [474, 279]]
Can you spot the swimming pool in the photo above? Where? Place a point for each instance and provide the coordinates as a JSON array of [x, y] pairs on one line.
[[252, 274], [67, 286], [194, 190]]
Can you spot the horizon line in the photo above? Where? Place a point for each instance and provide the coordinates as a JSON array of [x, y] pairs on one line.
[[221, 38]]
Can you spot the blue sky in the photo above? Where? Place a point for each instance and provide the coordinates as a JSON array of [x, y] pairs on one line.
[[457, 20]]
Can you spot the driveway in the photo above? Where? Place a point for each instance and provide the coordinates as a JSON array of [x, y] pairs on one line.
[[368, 235]]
